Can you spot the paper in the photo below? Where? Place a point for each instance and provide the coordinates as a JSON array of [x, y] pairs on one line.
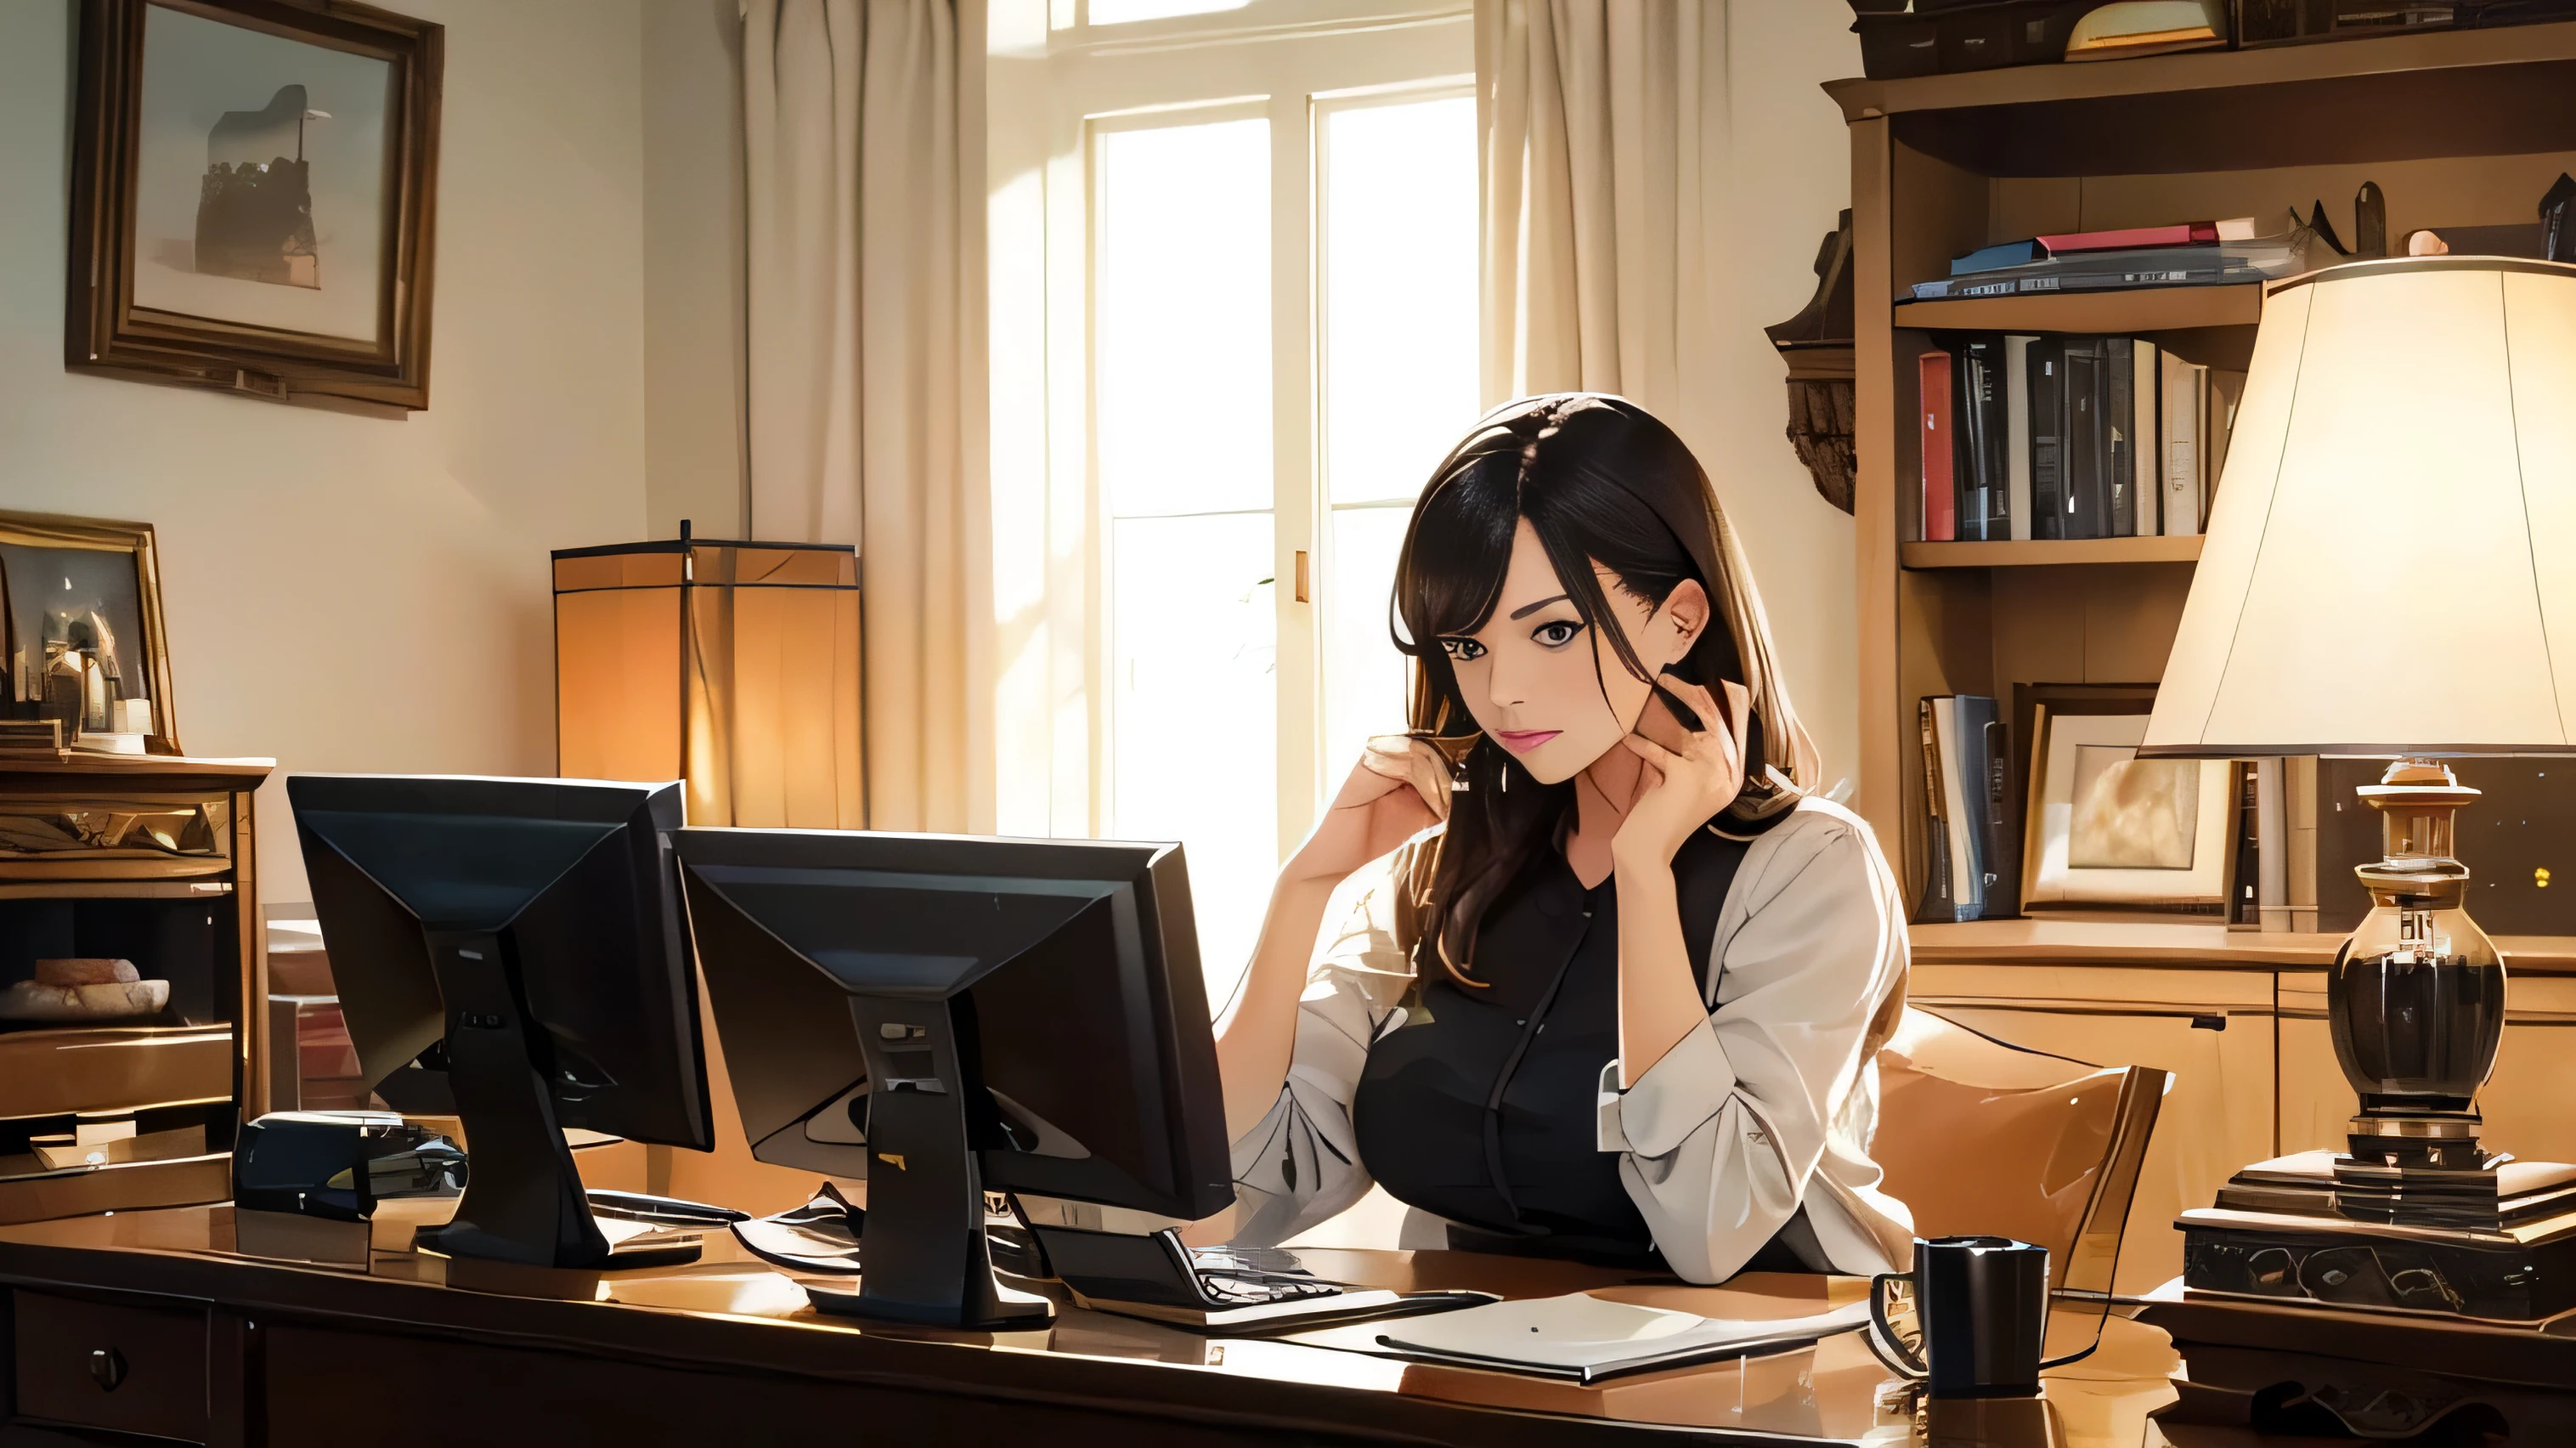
[[1588, 1338]]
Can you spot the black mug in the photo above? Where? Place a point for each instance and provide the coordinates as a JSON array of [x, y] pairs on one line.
[[1982, 1303]]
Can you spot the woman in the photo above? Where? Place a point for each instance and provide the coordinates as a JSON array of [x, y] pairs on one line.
[[1623, 1004]]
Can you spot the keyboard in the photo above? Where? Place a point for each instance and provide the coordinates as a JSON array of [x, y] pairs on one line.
[[1238, 1277]]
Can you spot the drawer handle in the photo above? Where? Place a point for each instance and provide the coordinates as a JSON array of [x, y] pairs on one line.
[[106, 1368]]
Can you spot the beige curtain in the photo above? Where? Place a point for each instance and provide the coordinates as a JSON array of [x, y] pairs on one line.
[[864, 179], [1605, 153], [1607, 160]]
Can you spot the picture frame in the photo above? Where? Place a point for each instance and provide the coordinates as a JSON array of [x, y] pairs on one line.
[[92, 580], [254, 188], [2108, 829]]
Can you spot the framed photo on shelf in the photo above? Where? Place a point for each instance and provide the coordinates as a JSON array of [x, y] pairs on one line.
[[80, 608], [2106, 828], [252, 197]]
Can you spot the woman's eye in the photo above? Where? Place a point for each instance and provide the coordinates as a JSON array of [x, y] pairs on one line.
[[1463, 650], [1558, 633]]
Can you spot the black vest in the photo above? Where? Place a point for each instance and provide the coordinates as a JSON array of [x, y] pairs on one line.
[[1480, 1108]]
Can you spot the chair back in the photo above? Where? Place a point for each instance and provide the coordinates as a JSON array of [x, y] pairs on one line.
[[1981, 1137]]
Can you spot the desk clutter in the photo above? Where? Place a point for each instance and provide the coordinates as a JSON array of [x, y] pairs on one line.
[[1937, 37]]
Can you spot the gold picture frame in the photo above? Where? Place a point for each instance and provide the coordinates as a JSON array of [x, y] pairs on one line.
[[33, 549]]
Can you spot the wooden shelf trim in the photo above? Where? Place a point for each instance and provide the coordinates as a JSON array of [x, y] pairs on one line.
[[2205, 70], [2140, 309], [2145, 943], [2039, 551]]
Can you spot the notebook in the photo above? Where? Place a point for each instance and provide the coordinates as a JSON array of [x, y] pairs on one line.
[[1588, 1338]]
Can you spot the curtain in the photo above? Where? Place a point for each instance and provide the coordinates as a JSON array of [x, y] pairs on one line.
[[864, 184], [1604, 127]]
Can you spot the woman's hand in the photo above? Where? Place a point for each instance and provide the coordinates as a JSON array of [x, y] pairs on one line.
[[1399, 788], [1690, 774]]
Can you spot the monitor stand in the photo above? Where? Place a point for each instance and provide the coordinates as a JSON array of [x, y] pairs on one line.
[[923, 1253], [523, 1200]]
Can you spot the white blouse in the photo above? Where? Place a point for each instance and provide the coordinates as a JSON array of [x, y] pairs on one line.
[[1767, 1106]]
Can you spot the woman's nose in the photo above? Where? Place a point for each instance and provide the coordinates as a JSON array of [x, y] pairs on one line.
[[1504, 685]]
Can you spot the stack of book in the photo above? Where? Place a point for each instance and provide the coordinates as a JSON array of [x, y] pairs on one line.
[[2068, 437], [1975, 874], [2191, 254]]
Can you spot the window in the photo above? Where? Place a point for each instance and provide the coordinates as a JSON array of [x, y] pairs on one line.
[[1254, 293]]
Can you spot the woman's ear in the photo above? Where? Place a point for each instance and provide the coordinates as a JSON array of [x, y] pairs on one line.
[[1685, 616]]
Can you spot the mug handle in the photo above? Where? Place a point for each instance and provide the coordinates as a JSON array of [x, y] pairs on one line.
[[1881, 1335]]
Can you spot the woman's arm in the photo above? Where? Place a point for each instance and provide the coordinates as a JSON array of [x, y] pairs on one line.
[[1258, 1034], [1695, 775], [1724, 1136], [1388, 798]]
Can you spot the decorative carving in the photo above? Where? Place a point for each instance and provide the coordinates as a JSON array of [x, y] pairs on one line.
[[1816, 345]]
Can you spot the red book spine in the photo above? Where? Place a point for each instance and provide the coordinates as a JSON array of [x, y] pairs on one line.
[[1940, 494], [2189, 233]]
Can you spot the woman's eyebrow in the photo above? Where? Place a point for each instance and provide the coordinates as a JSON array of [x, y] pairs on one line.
[[1525, 610]]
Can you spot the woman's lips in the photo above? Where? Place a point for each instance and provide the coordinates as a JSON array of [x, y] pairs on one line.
[[1522, 741]]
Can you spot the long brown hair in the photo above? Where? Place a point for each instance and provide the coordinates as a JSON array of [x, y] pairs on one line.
[[1600, 481]]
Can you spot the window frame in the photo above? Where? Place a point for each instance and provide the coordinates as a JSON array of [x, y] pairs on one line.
[[1292, 62]]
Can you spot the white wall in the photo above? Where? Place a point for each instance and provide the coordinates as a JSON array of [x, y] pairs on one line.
[[356, 593], [1792, 178], [694, 459]]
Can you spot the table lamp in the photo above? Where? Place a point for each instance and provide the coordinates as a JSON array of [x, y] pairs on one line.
[[730, 666], [2390, 569]]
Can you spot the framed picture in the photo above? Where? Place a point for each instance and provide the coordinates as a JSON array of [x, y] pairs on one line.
[[2106, 827], [80, 613], [252, 197]]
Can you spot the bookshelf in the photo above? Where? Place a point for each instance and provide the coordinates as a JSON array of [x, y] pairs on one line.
[[2462, 128], [2458, 129]]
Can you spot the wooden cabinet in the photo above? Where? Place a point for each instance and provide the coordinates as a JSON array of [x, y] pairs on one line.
[[150, 859], [2239, 1018], [121, 1367]]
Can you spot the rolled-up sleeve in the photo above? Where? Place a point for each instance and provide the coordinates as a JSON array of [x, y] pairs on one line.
[[1301, 1164], [1721, 1138]]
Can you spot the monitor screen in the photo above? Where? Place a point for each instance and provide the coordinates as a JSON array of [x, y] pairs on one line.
[[572, 881], [1072, 968]]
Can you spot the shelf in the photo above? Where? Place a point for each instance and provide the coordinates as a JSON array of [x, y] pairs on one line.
[[2506, 91], [2040, 551], [2151, 309], [2158, 943]]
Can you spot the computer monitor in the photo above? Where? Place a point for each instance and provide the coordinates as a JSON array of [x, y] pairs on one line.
[[945, 1015], [511, 951]]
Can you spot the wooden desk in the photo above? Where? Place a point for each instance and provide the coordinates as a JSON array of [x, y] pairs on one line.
[[221, 1348]]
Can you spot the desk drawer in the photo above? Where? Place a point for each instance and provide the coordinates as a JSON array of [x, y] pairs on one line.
[[97, 1365]]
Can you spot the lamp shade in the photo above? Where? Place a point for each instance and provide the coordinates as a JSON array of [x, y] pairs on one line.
[[733, 667], [2391, 559]]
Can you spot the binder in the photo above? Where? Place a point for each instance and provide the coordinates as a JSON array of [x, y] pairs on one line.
[[1940, 487], [2017, 500], [2047, 380], [1982, 428]]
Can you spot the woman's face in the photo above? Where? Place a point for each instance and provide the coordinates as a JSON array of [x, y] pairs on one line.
[[1545, 685]]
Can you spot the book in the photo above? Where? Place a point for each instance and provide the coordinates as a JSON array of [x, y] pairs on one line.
[[2146, 452], [2083, 447], [2226, 390], [1963, 796], [2118, 406], [2004, 254], [2046, 370], [1939, 890], [2017, 436], [1981, 428], [1983, 763], [1940, 488], [2216, 264], [2183, 393], [2133, 238]]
